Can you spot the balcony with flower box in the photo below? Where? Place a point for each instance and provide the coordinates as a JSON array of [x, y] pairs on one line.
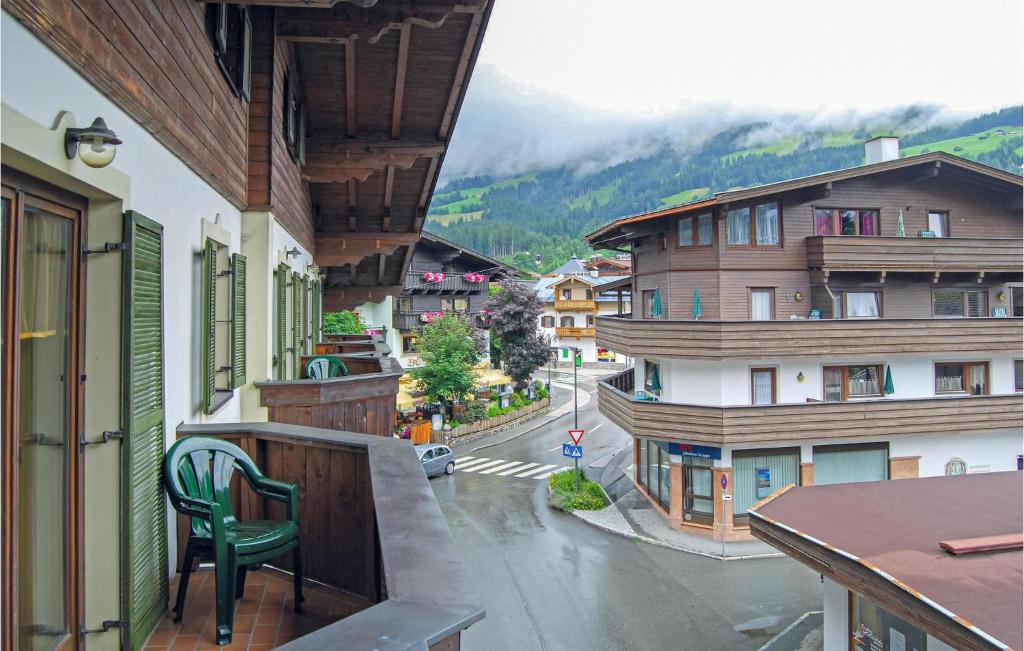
[[438, 282]]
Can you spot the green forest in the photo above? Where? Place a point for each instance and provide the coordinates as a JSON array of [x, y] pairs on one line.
[[536, 221]]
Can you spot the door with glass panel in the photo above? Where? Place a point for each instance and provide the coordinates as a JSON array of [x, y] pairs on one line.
[[40, 401]]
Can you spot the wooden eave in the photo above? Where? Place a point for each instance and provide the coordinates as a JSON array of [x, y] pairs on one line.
[[382, 85]]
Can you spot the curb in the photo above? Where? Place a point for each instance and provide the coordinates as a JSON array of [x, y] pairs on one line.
[[551, 418]]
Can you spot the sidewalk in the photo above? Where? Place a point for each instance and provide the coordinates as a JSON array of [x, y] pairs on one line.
[[632, 516]]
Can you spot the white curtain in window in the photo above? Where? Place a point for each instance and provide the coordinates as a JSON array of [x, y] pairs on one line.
[[862, 305], [739, 226], [842, 465], [977, 379], [762, 387], [760, 305], [937, 224], [768, 223]]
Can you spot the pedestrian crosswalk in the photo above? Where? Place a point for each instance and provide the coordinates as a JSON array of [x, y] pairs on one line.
[[506, 468]]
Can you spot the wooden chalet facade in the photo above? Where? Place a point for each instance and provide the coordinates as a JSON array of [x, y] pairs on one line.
[[274, 159], [443, 277], [855, 325]]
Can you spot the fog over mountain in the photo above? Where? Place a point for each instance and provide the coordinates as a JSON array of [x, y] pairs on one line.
[[506, 129]]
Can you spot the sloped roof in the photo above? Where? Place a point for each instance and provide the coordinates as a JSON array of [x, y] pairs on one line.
[[573, 266], [499, 268], [937, 159]]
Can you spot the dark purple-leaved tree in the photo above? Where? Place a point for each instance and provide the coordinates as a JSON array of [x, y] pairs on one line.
[[513, 313]]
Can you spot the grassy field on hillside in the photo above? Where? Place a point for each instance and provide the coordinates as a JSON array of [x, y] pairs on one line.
[[448, 220], [972, 145], [601, 195], [686, 196], [786, 145]]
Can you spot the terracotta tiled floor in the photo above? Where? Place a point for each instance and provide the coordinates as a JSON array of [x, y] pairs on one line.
[[263, 616]]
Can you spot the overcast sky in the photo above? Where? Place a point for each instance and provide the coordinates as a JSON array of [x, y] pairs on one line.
[[657, 56]]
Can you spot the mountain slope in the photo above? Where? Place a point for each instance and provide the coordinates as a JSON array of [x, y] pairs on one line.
[[545, 213]]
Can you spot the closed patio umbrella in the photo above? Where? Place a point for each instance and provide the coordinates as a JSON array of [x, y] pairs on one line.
[[697, 311], [888, 389], [656, 309], [655, 379], [901, 230]]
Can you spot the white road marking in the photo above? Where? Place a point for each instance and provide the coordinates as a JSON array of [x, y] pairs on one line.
[[459, 463], [535, 470], [482, 466], [548, 474], [595, 427], [515, 470], [501, 467], [557, 447]]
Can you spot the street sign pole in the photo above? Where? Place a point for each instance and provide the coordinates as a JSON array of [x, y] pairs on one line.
[[575, 414]]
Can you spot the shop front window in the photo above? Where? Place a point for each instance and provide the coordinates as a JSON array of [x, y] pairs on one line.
[[698, 503], [874, 627], [759, 473]]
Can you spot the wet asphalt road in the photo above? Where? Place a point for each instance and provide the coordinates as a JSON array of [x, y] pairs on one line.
[[550, 581]]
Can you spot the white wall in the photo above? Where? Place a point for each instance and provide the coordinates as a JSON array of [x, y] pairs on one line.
[[727, 383], [835, 602], [983, 452]]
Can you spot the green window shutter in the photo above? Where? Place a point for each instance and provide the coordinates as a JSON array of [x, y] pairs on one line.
[[316, 312], [305, 315], [281, 335], [237, 320], [296, 323], [209, 370], [143, 520]]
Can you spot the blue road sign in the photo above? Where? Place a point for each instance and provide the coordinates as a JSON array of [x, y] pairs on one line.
[[572, 451]]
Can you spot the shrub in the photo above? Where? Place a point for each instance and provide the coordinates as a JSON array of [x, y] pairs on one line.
[[475, 411], [493, 410], [517, 401], [542, 393], [565, 497]]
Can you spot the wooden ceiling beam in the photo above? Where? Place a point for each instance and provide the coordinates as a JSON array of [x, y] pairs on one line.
[[329, 161], [340, 249], [461, 72], [382, 261], [350, 88], [400, 68], [337, 298], [344, 24]]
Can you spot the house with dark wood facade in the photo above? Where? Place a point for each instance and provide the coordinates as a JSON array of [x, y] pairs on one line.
[[858, 325], [187, 186], [443, 278]]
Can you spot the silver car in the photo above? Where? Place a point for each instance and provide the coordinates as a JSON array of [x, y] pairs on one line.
[[436, 458]]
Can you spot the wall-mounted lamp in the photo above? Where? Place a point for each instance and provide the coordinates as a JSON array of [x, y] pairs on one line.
[[95, 145], [798, 296], [293, 252], [1001, 296], [800, 377], [313, 270]]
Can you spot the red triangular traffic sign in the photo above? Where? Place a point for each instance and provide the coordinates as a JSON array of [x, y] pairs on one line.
[[576, 435]]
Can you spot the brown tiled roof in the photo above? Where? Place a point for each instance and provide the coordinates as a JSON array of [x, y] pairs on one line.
[[892, 529]]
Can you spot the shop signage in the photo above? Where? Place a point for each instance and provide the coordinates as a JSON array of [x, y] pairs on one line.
[[763, 481], [702, 451], [956, 466]]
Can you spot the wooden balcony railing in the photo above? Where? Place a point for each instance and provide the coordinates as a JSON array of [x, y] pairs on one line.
[[453, 283], [656, 338], [575, 306], [574, 332], [951, 254], [406, 320], [363, 401], [369, 525], [811, 420]]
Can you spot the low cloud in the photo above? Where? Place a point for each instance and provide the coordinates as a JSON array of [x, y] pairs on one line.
[[506, 129]]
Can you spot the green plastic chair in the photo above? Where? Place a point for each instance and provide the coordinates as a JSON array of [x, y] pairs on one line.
[[197, 475], [324, 366]]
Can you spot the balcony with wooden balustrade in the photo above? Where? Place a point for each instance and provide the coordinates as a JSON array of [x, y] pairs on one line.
[[577, 333]]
